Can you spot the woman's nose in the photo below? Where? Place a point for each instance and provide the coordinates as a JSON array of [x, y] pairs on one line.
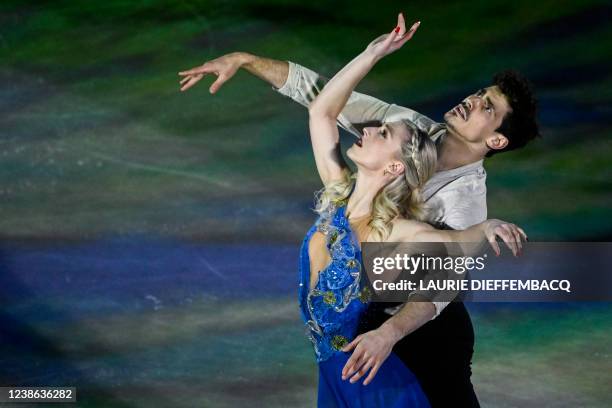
[[368, 130]]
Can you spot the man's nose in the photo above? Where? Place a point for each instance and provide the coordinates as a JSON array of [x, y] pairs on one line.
[[474, 102]]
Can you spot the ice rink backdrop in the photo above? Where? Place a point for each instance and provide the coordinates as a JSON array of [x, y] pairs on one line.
[[149, 238]]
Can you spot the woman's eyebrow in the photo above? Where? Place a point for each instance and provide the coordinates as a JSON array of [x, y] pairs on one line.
[[389, 129]]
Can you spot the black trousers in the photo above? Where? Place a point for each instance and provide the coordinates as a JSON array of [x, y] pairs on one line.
[[439, 353]]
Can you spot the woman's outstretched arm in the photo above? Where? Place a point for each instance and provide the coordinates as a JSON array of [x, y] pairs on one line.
[[326, 107], [337, 91], [489, 230]]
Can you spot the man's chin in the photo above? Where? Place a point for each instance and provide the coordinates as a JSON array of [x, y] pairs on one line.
[[449, 116], [449, 119]]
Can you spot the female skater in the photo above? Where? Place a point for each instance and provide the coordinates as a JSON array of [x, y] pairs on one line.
[[377, 203]]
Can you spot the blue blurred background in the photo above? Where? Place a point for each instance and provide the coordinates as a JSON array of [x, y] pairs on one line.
[[149, 238]]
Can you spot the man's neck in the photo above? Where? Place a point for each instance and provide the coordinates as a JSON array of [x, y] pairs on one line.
[[454, 152]]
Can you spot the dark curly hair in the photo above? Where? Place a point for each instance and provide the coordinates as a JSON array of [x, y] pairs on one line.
[[519, 126]]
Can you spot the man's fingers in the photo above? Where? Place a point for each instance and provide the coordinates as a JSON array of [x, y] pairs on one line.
[[362, 371], [354, 357], [370, 376], [348, 367], [202, 69], [192, 71], [217, 84], [358, 358], [352, 344], [357, 367], [192, 81]]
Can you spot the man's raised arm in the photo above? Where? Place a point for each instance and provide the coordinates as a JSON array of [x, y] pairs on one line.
[[303, 85]]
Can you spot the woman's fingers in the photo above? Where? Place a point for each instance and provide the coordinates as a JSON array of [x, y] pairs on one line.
[[390, 38], [508, 239], [412, 30], [517, 237], [493, 242], [401, 23], [403, 35]]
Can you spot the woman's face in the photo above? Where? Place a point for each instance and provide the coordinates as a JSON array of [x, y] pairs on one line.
[[379, 146]]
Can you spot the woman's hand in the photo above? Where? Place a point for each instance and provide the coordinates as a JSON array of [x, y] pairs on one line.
[[511, 234], [388, 43]]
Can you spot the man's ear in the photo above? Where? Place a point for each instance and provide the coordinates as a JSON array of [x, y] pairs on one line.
[[497, 141]]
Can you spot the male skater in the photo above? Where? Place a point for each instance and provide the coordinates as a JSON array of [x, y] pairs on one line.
[[434, 339]]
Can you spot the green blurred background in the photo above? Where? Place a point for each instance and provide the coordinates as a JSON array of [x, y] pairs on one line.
[[102, 159]]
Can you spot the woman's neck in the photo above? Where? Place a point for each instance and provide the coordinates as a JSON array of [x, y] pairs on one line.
[[360, 202]]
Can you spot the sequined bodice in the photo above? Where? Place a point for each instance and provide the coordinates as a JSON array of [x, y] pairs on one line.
[[332, 308]]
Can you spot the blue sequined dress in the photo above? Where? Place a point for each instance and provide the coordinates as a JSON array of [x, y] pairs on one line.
[[331, 311]]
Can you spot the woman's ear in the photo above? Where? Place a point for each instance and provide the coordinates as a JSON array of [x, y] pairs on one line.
[[395, 168]]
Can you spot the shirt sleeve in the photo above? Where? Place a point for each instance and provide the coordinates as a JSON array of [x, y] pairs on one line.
[[303, 85], [438, 305]]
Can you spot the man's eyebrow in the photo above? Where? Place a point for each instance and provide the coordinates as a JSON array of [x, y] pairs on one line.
[[491, 103]]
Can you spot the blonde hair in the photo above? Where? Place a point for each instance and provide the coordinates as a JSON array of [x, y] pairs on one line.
[[399, 198]]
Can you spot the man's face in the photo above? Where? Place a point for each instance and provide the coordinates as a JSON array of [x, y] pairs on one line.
[[475, 119]]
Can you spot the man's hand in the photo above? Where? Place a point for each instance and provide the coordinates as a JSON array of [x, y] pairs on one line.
[[388, 43], [511, 234], [371, 351], [223, 67]]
